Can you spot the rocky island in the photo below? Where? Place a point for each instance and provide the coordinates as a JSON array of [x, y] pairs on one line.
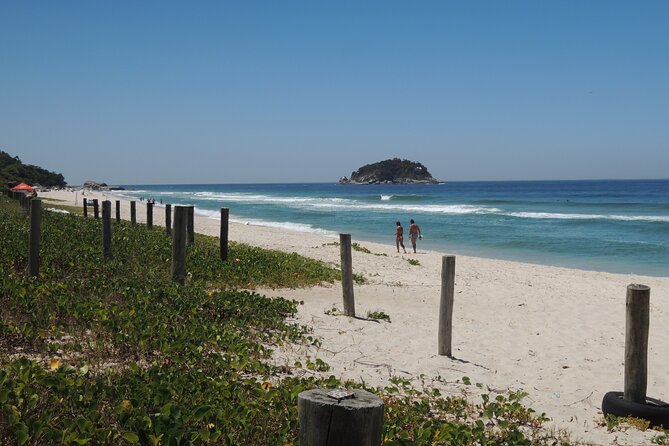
[[392, 171]]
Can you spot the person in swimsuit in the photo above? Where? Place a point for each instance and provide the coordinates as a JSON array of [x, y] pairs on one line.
[[399, 237], [414, 233]]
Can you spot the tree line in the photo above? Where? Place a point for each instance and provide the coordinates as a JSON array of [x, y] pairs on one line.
[[13, 171]]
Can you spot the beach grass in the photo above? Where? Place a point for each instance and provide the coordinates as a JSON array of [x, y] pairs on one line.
[[102, 351]]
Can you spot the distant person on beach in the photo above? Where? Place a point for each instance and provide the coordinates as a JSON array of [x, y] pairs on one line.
[[399, 237], [414, 233]]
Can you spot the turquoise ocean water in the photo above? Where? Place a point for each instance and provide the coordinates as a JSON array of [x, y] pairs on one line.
[[614, 226]]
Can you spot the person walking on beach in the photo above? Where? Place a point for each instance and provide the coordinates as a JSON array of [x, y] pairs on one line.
[[414, 233], [399, 237]]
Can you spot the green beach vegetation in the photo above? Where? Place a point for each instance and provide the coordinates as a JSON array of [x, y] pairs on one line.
[[112, 352]]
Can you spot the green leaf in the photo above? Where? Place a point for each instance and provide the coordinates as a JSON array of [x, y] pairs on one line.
[[201, 412], [131, 437], [22, 435]]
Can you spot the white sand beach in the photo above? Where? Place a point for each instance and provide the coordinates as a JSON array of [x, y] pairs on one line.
[[556, 333]]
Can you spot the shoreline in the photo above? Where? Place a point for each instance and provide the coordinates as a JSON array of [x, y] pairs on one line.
[[465, 220], [553, 332]]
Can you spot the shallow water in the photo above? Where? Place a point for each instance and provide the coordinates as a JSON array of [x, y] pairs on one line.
[[614, 226]]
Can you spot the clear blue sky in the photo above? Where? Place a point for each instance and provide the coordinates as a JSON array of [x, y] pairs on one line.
[[132, 92]]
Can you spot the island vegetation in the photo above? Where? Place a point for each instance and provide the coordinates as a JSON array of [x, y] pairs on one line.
[[13, 172], [112, 352], [391, 171]]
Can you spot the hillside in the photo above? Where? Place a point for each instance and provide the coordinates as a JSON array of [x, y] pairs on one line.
[[391, 171], [13, 171]]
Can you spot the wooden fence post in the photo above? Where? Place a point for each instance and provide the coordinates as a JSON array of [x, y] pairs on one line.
[[347, 274], [133, 212], [178, 268], [34, 239], [446, 305], [191, 225], [225, 217], [106, 230], [85, 207], [118, 211], [339, 418], [168, 219], [96, 209], [636, 343], [149, 215]]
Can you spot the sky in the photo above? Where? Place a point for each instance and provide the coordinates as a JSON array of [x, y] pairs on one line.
[[168, 92]]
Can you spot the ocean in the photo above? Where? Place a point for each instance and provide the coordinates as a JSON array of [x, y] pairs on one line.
[[617, 226]]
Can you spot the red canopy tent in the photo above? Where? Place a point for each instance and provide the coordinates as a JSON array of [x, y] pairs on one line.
[[23, 186]]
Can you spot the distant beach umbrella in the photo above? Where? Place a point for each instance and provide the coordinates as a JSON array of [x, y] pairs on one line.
[[23, 186]]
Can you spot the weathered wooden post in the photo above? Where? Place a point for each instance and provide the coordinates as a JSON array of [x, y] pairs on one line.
[[106, 230], [339, 418], [34, 238], [118, 211], [133, 212], [446, 305], [168, 219], [347, 274], [178, 268], [96, 208], [636, 343], [149, 215], [225, 217], [191, 225], [85, 207]]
